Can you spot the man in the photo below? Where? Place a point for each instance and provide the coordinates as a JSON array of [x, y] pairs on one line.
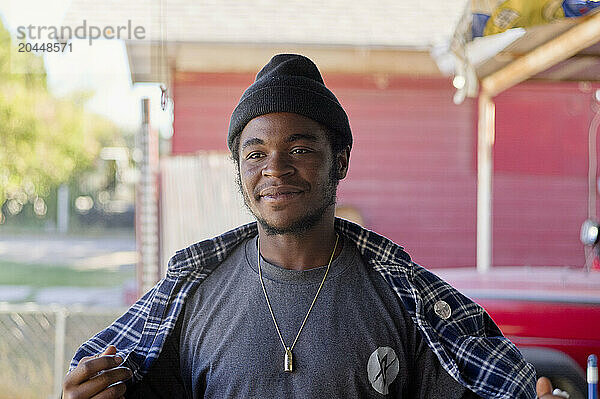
[[299, 304]]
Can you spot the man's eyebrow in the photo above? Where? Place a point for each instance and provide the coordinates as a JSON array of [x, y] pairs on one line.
[[252, 141], [302, 136], [290, 139]]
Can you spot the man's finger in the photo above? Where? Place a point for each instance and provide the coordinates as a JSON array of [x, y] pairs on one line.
[[91, 367], [115, 391], [110, 350], [107, 384], [543, 387]]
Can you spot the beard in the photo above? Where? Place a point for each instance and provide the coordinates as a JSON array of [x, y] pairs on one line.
[[307, 221]]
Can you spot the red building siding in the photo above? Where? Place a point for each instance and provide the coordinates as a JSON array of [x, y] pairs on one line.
[[540, 177], [203, 105], [413, 166]]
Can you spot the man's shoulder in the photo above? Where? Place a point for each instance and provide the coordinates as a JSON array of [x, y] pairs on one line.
[[205, 255], [390, 258], [375, 248]]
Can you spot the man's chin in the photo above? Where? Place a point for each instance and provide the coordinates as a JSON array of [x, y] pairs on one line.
[[283, 229], [295, 227]]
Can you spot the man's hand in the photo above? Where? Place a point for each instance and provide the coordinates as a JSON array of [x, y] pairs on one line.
[[543, 389], [97, 376]]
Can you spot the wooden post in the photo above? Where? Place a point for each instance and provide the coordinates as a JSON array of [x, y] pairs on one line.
[[146, 205], [485, 163]]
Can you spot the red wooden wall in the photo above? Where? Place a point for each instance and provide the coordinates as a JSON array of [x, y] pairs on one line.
[[413, 165], [540, 177]]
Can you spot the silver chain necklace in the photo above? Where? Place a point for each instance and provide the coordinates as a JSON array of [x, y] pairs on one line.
[[288, 358]]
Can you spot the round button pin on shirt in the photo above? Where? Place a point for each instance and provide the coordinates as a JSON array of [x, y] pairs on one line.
[[442, 309]]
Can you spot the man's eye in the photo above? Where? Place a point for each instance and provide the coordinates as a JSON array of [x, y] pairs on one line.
[[300, 151], [254, 155]]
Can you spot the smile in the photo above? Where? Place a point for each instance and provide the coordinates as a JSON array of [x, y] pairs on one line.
[[281, 196], [279, 193]]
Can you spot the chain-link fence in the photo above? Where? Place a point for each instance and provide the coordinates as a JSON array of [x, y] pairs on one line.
[[38, 342]]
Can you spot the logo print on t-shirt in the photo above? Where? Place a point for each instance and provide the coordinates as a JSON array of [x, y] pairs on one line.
[[382, 369]]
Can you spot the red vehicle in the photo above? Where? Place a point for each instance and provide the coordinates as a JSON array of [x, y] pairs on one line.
[[551, 313]]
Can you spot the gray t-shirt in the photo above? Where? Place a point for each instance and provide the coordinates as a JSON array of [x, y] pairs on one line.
[[358, 342]]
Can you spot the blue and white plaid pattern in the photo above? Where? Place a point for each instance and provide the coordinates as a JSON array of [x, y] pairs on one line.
[[468, 343]]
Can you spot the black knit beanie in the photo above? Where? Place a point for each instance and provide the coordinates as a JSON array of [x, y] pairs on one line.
[[290, 83]]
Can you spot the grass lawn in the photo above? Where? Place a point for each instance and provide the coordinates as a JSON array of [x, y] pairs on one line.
[[36, 275]]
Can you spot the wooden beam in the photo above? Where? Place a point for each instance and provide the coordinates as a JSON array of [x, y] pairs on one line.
[[513, 55], [573, 67], [581, 36], [201, 57], [205, 57]]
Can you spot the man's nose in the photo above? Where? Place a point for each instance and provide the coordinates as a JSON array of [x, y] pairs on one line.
[[278, 165]]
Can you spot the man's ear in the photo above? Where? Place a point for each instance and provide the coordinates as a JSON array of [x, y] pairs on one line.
[[343, 158]]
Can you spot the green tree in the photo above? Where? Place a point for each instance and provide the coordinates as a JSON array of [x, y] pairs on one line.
[[44, 141]]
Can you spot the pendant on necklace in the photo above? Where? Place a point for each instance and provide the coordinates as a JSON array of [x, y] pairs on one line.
[[287, 361]]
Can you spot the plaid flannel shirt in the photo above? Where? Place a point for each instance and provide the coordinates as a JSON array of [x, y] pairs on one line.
[[468, 344]]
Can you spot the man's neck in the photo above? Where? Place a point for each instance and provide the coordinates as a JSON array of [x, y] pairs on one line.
[[300, 251]]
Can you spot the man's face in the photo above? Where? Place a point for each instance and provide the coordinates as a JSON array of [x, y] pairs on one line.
[[288, 174]]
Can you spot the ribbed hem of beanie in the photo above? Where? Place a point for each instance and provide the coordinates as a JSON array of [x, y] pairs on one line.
[[285, 98]]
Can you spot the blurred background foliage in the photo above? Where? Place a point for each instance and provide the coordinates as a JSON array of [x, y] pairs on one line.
[[45, 141]]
